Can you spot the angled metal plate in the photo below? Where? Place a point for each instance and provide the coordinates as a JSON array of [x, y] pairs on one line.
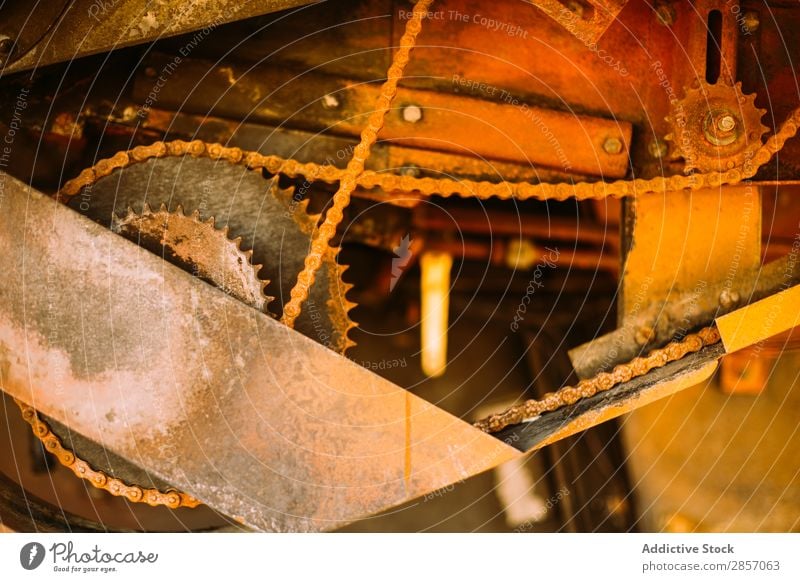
[[220, 400]]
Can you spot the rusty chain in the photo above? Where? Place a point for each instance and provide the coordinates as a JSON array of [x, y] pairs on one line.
[[602, 382], [387, 181], [99, 479], [355, 167]]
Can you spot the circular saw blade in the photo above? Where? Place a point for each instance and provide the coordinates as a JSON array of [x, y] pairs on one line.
[[272, 221]]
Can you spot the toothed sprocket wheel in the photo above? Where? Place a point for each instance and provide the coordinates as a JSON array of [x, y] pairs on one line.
[[715, 127], [197, 247], [272, 221]]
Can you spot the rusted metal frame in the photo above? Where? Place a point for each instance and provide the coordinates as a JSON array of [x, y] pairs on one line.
[[308, 146], [690, 311], [519, 133], [694, 256], [269, 439], [701, 39]]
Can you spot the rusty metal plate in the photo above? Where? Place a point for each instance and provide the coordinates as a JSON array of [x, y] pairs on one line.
[[761, 320], [211, 396], [515, 131], [586, 21], [95, 26]]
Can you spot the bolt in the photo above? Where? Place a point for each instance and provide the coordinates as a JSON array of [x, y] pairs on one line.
[[129, 114], [612, 146], [728, 298], [657, 148], [719, 127], [665, 14], [410, 170], [644, 335], [6, 49], [726, 123], [576, 8], [330, 101], [750, 22], [412, 113]]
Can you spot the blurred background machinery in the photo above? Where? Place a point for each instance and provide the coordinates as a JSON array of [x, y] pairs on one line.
[[557, 188]]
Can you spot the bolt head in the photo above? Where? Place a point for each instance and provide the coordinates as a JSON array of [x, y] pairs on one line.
[[719, 127], [412, 113], [657, 148], [726, 123], [665, 14], [612, 146], [751, 21], [728, 298], [331, 101]]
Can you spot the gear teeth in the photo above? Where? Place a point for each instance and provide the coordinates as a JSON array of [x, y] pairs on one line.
[[222, 254], [697, 150], [346, 305], [297, 209]]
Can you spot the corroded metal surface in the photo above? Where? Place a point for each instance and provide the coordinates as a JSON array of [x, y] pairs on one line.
[[290, 435], [273, 222], [197, 247], [95, 26], [519, 132], [672, 378], [587, 24], [687, 310], [716, 127], [206, 252], [97, 478]]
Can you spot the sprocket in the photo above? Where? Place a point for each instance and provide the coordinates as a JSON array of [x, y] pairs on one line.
[[197, 247], [715, 127], [272, 221]]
